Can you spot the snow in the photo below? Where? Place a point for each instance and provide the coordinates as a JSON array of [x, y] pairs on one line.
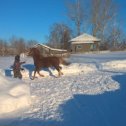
[[91, 92], [53, 49], [14, 95], [115, 65]]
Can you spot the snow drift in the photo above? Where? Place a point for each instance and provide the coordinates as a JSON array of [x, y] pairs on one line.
[[14, 95], [73, 69], [86, 76], [115, 65]]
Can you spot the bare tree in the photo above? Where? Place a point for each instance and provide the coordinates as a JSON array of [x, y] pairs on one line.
[[115, 37], [3, 47], [15, 46], [21, 45], [76, 13], [18, 45], [65, 38], [103, 12], [31, 43], [59, 36]]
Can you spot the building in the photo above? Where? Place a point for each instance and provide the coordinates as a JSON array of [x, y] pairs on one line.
[[48, 51], [84, 43]]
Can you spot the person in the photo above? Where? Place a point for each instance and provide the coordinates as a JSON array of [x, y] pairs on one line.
[[17, 67]]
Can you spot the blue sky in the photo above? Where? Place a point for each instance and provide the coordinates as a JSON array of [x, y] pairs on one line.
[[32, 19]]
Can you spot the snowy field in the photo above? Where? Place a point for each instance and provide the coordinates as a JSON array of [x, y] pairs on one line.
[[92, 92]]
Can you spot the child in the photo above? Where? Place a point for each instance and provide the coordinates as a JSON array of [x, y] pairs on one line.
[[17, 67]]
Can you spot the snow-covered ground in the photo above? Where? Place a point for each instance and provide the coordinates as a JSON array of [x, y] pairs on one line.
[[91, 92]]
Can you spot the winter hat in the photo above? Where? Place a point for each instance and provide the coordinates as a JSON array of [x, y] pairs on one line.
[[17, 57]]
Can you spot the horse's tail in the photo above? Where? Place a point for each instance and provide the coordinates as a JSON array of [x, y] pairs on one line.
[[64, 62]]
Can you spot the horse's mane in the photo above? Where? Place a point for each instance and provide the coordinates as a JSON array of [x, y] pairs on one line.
[[36, 52]]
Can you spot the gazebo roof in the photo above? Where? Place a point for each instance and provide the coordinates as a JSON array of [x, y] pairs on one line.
[[84, 38], [47, 47]]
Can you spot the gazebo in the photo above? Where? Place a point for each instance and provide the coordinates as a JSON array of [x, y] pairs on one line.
[[84, 43], [48, 51]]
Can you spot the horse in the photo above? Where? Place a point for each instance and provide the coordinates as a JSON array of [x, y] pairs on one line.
[[50, 61]]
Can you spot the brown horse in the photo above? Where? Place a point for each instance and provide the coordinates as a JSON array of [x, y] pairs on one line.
[[40, 61]]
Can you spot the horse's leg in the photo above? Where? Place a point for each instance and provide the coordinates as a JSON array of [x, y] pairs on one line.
[[38, 71], [60, 67], [34, 74], [59, 71]]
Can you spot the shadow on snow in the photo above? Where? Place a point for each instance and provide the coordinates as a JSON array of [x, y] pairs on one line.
[[108, 109], [30, 68]]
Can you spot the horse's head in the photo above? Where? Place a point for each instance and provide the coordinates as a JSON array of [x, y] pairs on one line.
[[33, 51]]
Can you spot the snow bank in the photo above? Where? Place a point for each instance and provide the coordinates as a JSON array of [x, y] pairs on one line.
[[74, 68], [14, 95], [49, 93], [115, 65]]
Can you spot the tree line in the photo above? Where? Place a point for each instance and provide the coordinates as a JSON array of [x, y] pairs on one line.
[[15, 46], [96, 17]]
